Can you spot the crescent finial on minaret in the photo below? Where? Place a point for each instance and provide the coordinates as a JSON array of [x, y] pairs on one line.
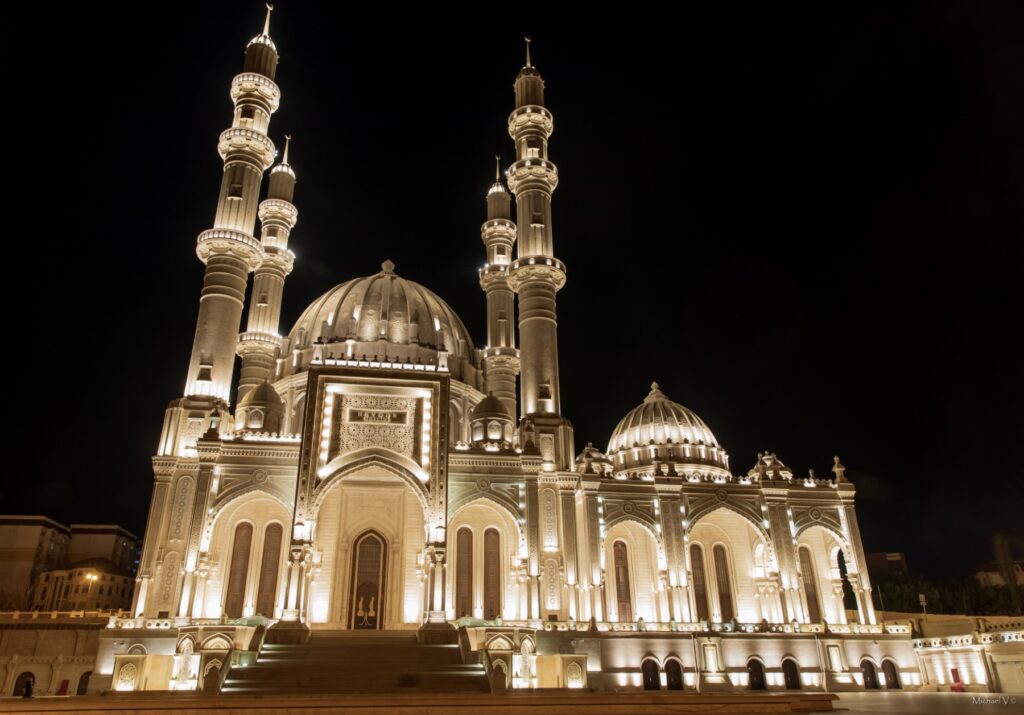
[[266, 23], [287, 141], [497, 167], [527, 38]]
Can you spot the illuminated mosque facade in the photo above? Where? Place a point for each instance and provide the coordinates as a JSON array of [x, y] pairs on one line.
[[379, 471]]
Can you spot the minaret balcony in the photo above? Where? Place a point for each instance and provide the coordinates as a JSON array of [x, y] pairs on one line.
[[279, 209], [250, 141], [253, 341], [537, 268], [532, 174], [227, 241], [498, 229], [253, 84], [533, 117]]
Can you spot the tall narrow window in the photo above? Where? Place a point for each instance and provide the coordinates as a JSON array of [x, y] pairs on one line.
[[724, 584], [464, 573], [622, 591], [700, 589], [492, 574], [239, 569], [810, 585], [269, 566]]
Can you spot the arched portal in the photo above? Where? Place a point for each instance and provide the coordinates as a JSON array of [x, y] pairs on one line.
[[651, 674], [631, 565], [369, 570], [755, 675], [791, 674], [19, 684], [737, 580], [892, 675], [870, 674], [673, 674]]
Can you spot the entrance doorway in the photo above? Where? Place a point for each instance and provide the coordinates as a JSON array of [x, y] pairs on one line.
[[369, 568], [755, 675]]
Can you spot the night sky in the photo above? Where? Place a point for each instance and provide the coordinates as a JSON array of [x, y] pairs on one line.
[[805, 224]]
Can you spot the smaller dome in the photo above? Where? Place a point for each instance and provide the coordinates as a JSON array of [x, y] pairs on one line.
[[592, 461], [264, 394], [261, 410], [490, 407], [660, 431], [491, 424]]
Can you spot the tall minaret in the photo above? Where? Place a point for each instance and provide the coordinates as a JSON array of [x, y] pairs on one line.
[[259, 345], [501, 359], [229, 249], [536, 275]]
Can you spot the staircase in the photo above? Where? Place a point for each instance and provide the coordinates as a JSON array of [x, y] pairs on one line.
[[357, 662]]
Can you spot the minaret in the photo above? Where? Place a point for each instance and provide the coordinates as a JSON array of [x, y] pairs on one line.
[[229, 249], [259, 345], [536, 275], [501, 359]]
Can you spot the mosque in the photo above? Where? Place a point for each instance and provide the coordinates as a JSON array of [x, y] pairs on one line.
[[383, 478]]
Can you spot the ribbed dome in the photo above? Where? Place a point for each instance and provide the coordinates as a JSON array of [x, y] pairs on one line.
[[383, 317], [490, 406], [382, 307], [663, 430]]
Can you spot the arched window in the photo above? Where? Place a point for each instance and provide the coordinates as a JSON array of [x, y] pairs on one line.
[[239, 570], [810, 585], [83, 683], [755, 675], [464, 573], [492, 574], [673, 674], [270, 564], [651, 673], [19, 684], [791, 674], [892, 675], [724, 584], [700, 589], [870, 674], [622, 591]]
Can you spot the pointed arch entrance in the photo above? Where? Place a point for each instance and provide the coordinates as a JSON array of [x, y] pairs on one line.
[[367, 588]]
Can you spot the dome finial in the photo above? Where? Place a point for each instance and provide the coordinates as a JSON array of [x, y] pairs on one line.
[[655, 393], [527, 38], [388, 267], [266, 23], [287, 141]]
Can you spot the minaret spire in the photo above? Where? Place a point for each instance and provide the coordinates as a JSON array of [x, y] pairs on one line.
[[228, 248], [527, 38], [260, 344], [536, 275], [501, 358], [266, 23]]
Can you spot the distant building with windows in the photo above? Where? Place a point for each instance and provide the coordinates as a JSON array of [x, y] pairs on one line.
[[95, 584], [31, 546]]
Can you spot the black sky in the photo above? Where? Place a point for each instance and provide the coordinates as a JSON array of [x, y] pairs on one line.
[[805, 223]]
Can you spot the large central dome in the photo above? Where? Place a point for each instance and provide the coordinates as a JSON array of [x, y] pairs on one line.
[[384, 317]]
